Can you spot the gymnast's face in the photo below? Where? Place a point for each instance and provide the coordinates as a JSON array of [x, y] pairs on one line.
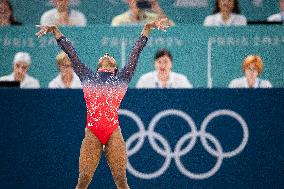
[[226, 5], [107, 63]]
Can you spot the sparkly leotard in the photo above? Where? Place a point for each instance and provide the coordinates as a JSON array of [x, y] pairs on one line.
[[103, 91]]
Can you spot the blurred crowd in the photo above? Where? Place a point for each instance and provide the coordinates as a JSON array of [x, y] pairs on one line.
[[225, 13]]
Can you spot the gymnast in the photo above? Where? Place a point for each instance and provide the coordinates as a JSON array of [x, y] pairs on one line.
[[103, 90]]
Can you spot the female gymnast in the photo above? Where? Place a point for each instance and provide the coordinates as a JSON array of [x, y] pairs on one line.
[[103, 90]]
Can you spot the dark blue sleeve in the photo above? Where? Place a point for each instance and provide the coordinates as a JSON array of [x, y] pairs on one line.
[[82, 71], [128, 70]]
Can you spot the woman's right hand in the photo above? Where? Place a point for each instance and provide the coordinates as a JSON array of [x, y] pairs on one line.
[[44, 29]]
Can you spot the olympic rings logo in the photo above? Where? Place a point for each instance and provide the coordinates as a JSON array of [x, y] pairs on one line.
[[178, 152]]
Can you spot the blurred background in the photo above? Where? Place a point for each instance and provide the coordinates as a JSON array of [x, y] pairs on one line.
[[185, 73]]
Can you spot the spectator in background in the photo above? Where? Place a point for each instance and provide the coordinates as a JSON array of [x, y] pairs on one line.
[[163, 77], [226, 13], [252, 68], [21, 64], [66, 78], [63, 15], [279, 17], [7, 15], [140, 12]]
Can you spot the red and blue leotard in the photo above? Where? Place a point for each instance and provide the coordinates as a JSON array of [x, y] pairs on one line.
[[103, 91]]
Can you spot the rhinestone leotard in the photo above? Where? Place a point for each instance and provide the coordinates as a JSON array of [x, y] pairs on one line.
[[103, 91]]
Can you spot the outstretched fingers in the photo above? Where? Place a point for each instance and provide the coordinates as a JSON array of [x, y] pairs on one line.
[[43, 30], [163, 24]]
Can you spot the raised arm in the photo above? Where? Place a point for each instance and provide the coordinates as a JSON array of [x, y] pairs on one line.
[[79, 68], [128, 71]]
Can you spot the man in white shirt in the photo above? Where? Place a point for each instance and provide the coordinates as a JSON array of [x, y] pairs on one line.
[[252, 68], [63, 15], [226, 13], [279, 17], [21, 64], [163, 77], [66, 78]]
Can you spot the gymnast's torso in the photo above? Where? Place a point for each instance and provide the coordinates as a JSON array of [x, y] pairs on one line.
[[103, 90]]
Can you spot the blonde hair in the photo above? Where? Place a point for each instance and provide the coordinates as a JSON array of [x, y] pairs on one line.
[[61, 57], [253, 59]]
